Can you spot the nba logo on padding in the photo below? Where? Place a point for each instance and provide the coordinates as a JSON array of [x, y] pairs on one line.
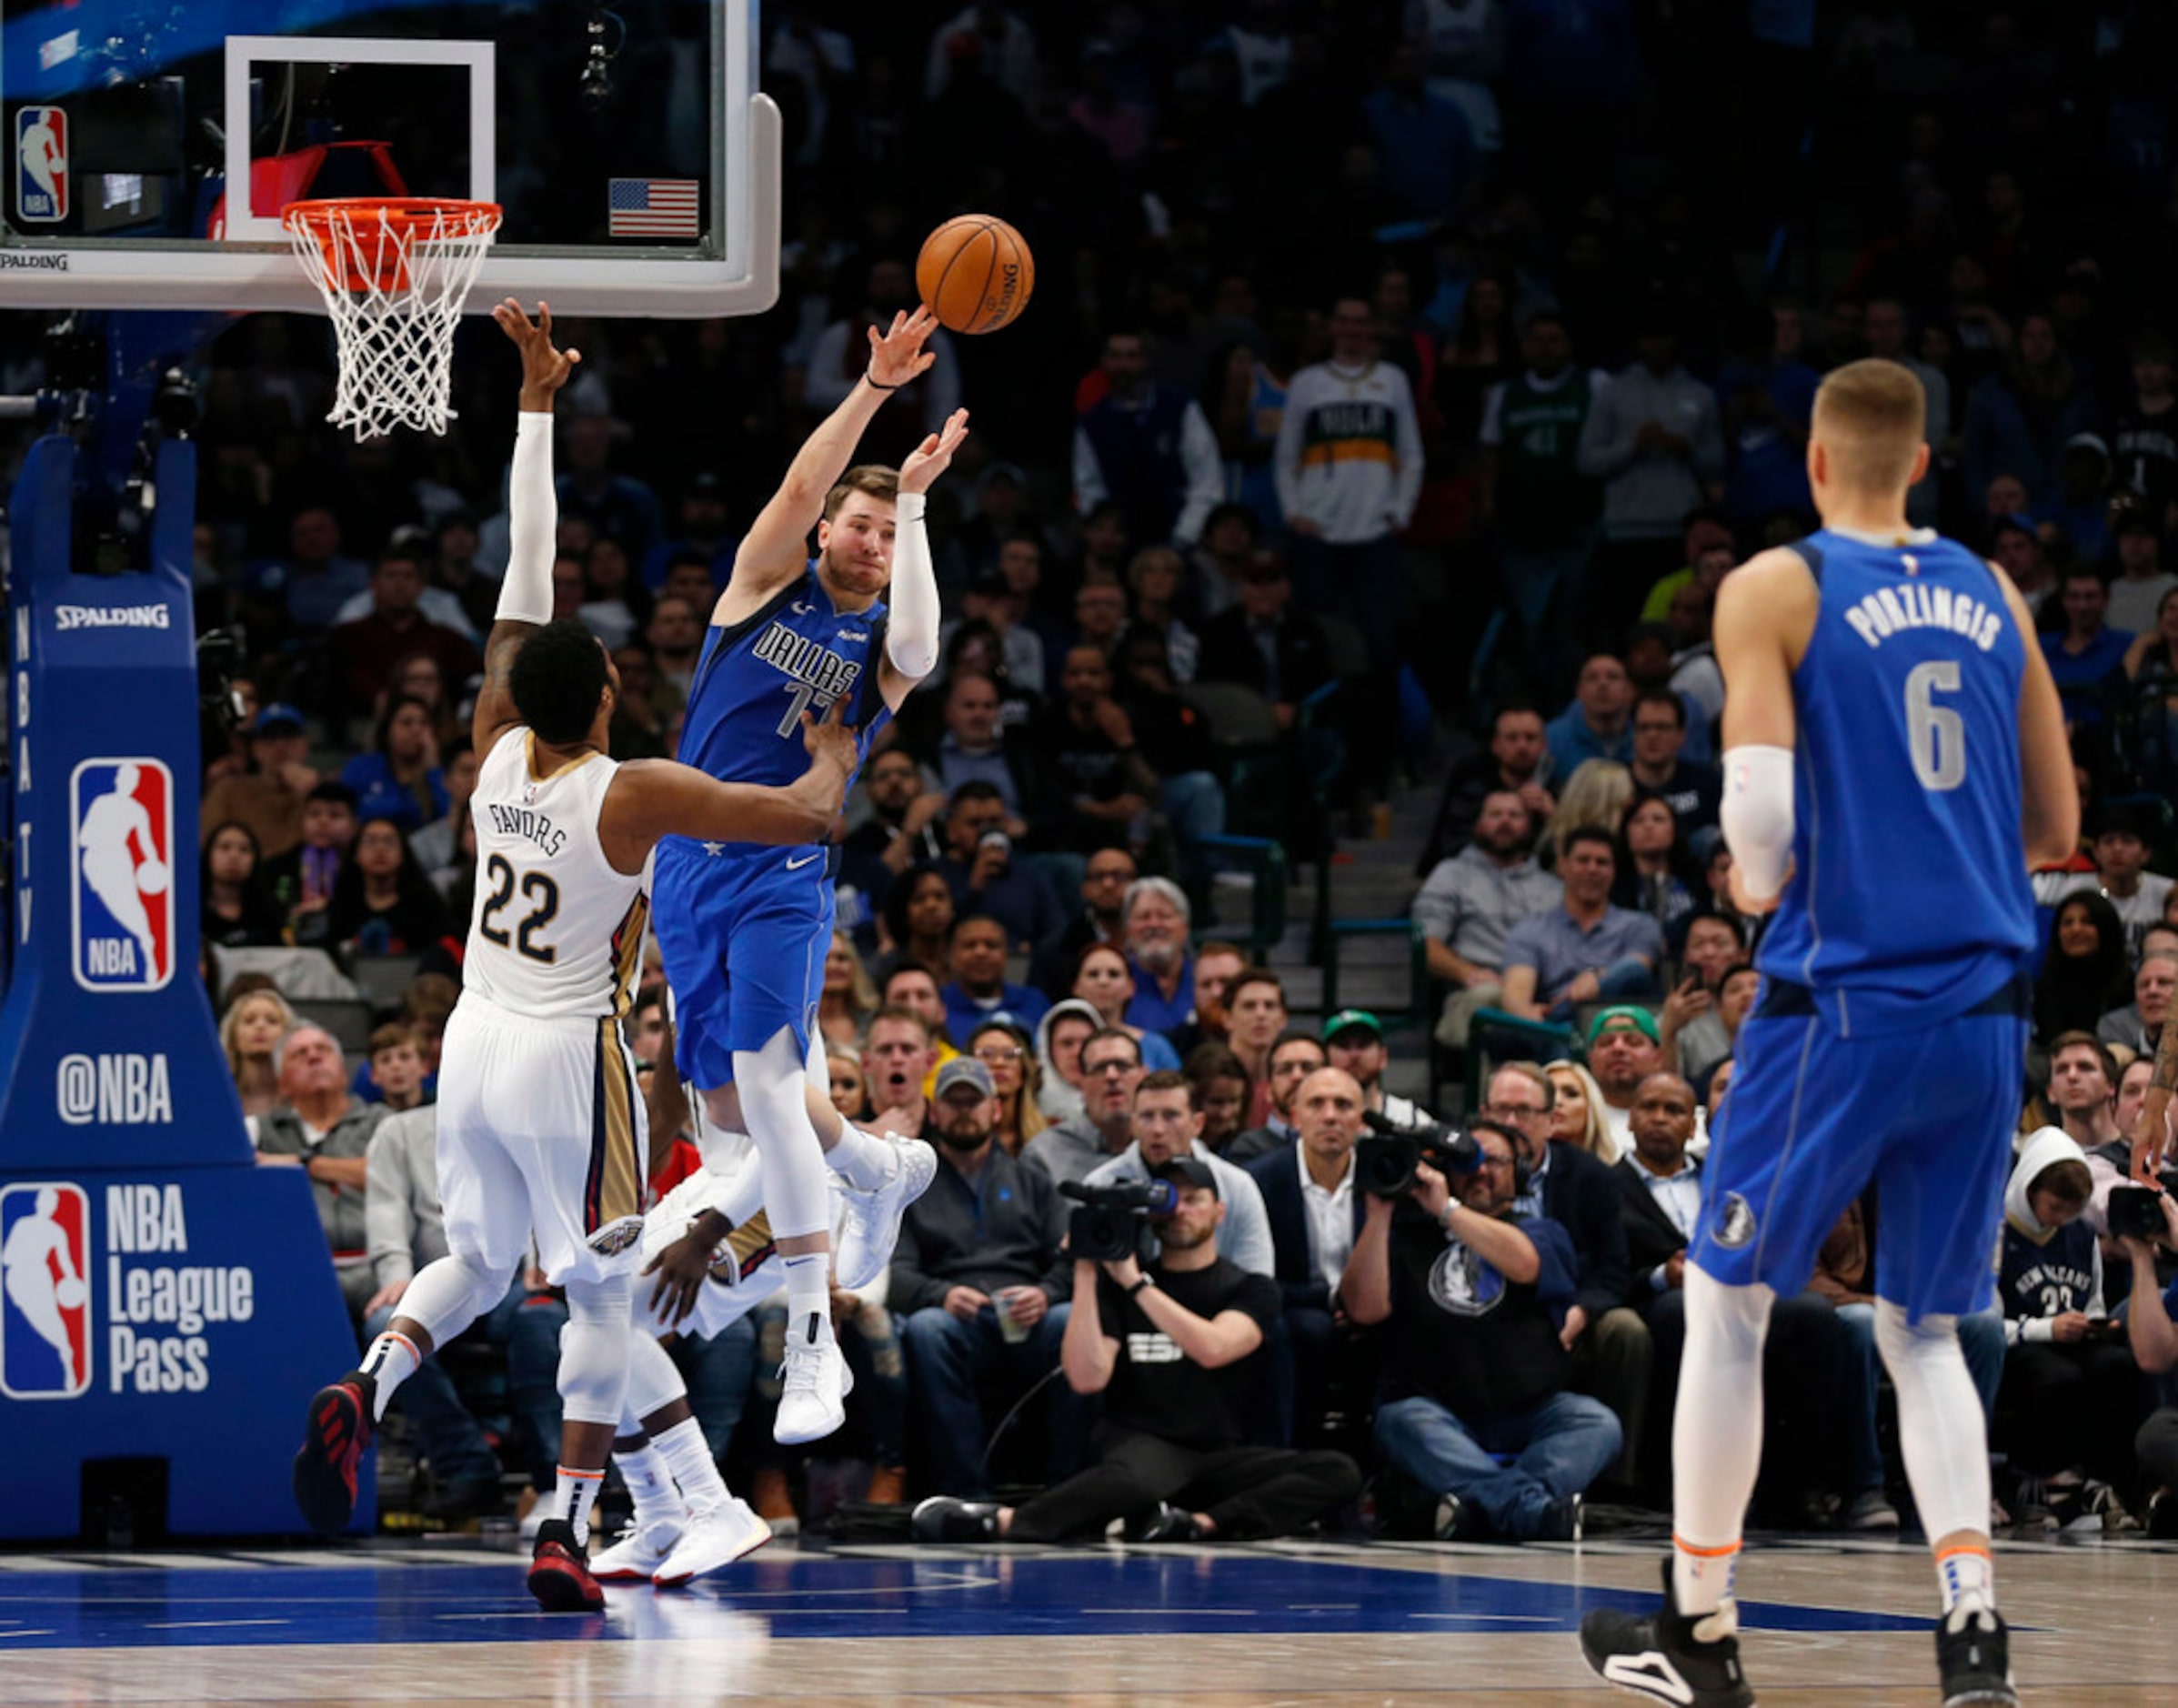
[[121, 854], [41, 165], [45, 1291]]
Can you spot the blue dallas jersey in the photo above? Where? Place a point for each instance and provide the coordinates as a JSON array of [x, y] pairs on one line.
[[1909, 902], [755, 677]]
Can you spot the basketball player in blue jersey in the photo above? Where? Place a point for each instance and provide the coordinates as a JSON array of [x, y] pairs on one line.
[[1895, 760], [745, 929]]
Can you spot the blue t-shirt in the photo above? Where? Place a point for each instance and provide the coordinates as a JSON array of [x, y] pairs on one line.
[[2080, 675], [379, 794]]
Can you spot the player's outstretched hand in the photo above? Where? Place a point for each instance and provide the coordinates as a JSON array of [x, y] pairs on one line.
[[896, 355], [544, 369], [831, 744], [2151, 1139], [681, 1269], [934, 456]]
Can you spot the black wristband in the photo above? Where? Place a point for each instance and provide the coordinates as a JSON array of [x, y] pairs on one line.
[[1142, 1282], [874, 385]]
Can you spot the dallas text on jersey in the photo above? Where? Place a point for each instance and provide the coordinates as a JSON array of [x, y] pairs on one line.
[[828, 676]]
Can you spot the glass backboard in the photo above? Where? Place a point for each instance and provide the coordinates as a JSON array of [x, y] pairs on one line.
[[151, 144]]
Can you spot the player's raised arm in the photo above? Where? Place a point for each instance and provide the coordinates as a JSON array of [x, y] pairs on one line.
[[2049, 798], [911, 630], [532, 518], [1765, 613], [777, 545], [651, 799]]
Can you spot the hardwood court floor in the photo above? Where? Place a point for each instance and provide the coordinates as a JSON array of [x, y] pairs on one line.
[[1826, 1622]]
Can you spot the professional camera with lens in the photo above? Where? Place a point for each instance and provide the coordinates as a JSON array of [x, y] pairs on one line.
[[1385, 1161], [2136, 1212], [1108, 1227]]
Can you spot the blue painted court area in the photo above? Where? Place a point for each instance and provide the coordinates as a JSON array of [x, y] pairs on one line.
[[481, 1598]]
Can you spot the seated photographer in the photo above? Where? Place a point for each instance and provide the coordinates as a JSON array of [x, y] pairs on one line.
[[2155, 1341], [1473, 1365], [1607, 1339], [1660, 1187], [2071, 1399], [1315, 1207], [1177, 1351], [973, 1276], [1164, 1123]]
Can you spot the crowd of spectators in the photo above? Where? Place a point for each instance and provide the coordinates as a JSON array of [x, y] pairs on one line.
[[1386, 357]]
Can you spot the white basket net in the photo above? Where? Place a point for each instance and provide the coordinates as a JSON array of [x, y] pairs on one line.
[[394, 276]]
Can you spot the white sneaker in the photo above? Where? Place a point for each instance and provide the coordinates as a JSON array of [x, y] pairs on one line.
[[715, 1538], [637, 1553], [816, 1384], [872, 1225]]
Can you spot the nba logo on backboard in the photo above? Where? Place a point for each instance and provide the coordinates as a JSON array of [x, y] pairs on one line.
[[41, 165], [120, 853], [45, 1291]]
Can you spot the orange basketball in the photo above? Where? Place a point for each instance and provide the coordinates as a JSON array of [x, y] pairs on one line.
[[976, 273]]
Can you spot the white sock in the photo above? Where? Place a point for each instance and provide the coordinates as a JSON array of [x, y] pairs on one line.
[[808, 1298], [862, 1160], [1716, 1437], [572, 1498], [649, 1484], [688, 1456], [391, 1360], [1966, 1574]]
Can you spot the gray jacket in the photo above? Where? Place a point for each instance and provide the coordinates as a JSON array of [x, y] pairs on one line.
[[407, 1224], [1647, 493], [339, 1208], [1068, 1150]]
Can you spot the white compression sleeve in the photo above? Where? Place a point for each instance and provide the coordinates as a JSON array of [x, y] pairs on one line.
[[911, 627], [533, 523], [1756, 816]]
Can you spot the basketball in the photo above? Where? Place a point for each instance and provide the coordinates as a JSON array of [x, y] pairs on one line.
[[69, 1294], [151, 877], [976, 273]]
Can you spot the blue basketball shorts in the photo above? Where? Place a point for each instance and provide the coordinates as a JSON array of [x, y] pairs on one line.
[[744, 935], [1814, 1117]]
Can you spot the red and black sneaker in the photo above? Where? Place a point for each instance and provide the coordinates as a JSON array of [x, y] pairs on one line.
[[340, 1430], [559, 1571]]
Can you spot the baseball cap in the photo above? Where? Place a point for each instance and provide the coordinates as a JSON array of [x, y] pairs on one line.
[[1187, 1171], [964, 1070], [1347, 1019], [1625, 1016], [279, 718]]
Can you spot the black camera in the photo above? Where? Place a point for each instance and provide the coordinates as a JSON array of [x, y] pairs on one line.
[[1108, 1227], [1385, 1161], [2136, 1212]]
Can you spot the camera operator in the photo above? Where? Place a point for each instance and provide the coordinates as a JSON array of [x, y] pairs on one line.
[[1165, 1123], [1474, 1364], [1177, 1353], [2154, 1340]]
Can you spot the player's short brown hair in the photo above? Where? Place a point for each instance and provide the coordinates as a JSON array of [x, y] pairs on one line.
[[1870, 417], [871, 479]]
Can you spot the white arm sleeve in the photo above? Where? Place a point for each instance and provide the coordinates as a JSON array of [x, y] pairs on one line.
[[533, 523], [1757, 816], [911, 632]]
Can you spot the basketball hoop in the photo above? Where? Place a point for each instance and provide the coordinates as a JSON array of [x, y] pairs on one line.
[[394, 274]]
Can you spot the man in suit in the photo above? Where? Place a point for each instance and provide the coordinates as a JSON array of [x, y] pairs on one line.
[[1315, 1206], [1803, 1363], [1607, 1339], [1261, 643]]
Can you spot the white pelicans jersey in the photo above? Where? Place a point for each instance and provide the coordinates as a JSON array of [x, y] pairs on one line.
[[556, 933]]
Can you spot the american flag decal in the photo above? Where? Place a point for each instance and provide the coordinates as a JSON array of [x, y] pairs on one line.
[[652, 207]]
